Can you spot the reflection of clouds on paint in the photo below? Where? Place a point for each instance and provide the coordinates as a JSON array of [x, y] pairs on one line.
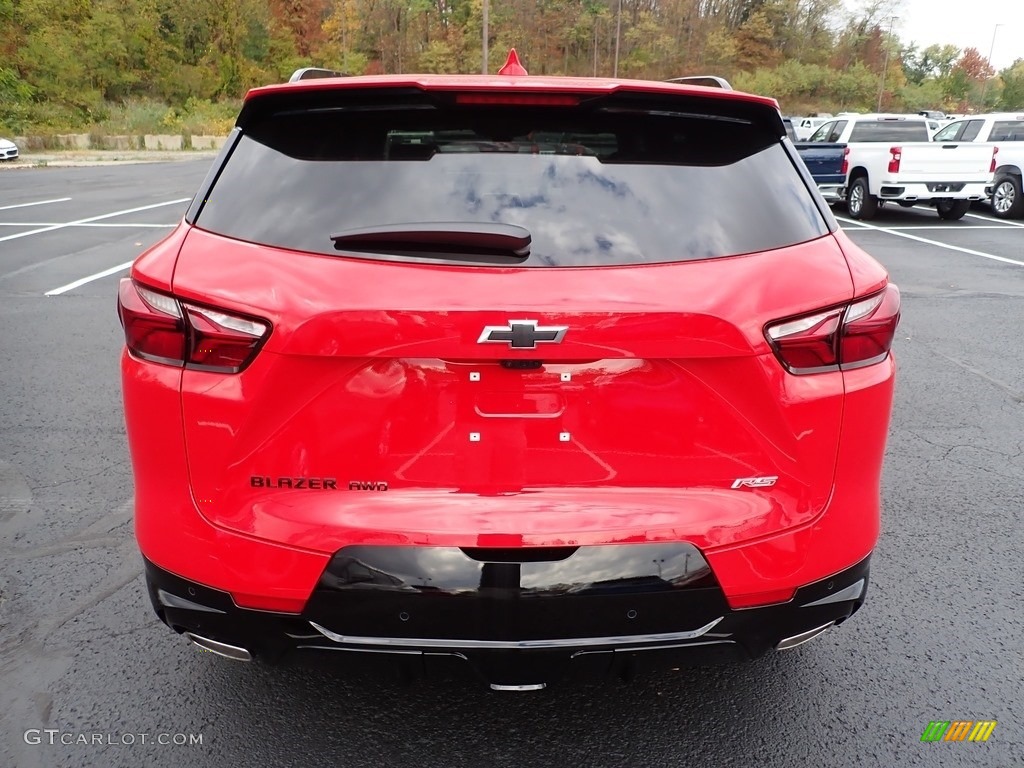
[[614, 567], [578, 210]]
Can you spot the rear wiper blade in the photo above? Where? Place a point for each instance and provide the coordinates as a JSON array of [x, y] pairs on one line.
[[439, 237]]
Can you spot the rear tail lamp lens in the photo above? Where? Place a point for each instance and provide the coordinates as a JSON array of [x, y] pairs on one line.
[[845, 167], [993, 165], [153, 326], [846, 337], [162, 329], [895, 155]]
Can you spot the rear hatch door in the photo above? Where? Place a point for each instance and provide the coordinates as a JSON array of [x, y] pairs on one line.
[[611, 382]]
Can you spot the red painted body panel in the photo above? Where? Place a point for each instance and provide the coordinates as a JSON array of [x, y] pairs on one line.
[[868, 275], [168, 527], [848, 528], [680, 393], [338, 385]]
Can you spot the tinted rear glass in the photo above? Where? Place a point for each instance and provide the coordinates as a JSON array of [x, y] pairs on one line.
[[1007, 130], [894, 130], [595, 185]]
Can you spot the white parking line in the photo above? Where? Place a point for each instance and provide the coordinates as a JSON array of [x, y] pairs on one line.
[[960, 227], [1006, 222], [38, 202], [52, 227], [82, 281], [936, 243], [90, 224]]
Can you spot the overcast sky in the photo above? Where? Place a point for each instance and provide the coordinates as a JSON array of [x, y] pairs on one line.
[[963, 23]]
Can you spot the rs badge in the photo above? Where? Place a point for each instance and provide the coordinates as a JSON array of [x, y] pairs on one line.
[[754, 482]]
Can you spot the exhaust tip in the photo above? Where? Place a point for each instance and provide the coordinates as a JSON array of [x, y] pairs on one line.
[[792, 642], [233, 652], [528, 687]]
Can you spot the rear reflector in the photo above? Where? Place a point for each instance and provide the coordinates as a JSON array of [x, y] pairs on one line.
[[162, 329], [268, 603], [846, 337], [756, 599]]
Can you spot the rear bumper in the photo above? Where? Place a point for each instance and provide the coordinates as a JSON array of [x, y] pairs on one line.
[[517, 626], [833, 193], [937, 190]]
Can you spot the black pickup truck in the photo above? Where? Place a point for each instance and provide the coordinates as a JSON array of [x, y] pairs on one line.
[[825, 161]]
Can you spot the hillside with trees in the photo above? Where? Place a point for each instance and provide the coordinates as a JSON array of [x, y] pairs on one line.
[[78, 63]]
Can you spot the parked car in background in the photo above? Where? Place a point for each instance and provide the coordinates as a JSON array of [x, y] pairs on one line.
[[890, 158], [8, 150], [1005, 132], [805, 126], [787, 122]]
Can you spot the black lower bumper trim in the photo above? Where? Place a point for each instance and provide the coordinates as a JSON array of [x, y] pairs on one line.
[[511, 637]]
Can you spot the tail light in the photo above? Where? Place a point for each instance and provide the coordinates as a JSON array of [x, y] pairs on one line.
[[846, 337], [992, 165], [895, 154], [845, 167], [162, 329], [519, 99]]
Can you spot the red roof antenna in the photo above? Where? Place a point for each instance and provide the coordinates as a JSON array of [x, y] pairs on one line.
[[512, 66]]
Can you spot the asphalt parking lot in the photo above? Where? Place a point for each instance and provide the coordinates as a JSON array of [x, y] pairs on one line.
[[81, 654]]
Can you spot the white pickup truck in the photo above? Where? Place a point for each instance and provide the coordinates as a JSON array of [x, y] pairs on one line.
[[890, 158], [1005, 132]]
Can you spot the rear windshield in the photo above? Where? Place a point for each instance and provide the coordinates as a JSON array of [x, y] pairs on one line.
[[1007, 130], [608, 183], [890, 130]]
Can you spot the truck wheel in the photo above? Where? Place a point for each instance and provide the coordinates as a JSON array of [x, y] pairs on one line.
[[952, 210], [1007, 200], [860, 203]]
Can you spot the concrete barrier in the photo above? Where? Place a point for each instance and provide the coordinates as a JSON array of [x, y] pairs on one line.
[[119, 142], [208, 142], [73, 140], [162, 141]]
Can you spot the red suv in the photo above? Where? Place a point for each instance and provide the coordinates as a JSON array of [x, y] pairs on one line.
[[526, 374]]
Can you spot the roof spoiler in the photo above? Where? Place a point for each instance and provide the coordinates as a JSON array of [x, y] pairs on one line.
[[709, 81], [314, 73]]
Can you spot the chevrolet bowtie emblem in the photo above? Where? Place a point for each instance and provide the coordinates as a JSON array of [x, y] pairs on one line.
[[522, 334]]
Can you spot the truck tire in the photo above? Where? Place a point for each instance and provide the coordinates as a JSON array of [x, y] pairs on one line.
[[860, 203], [1007, 199], [952, 210]]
